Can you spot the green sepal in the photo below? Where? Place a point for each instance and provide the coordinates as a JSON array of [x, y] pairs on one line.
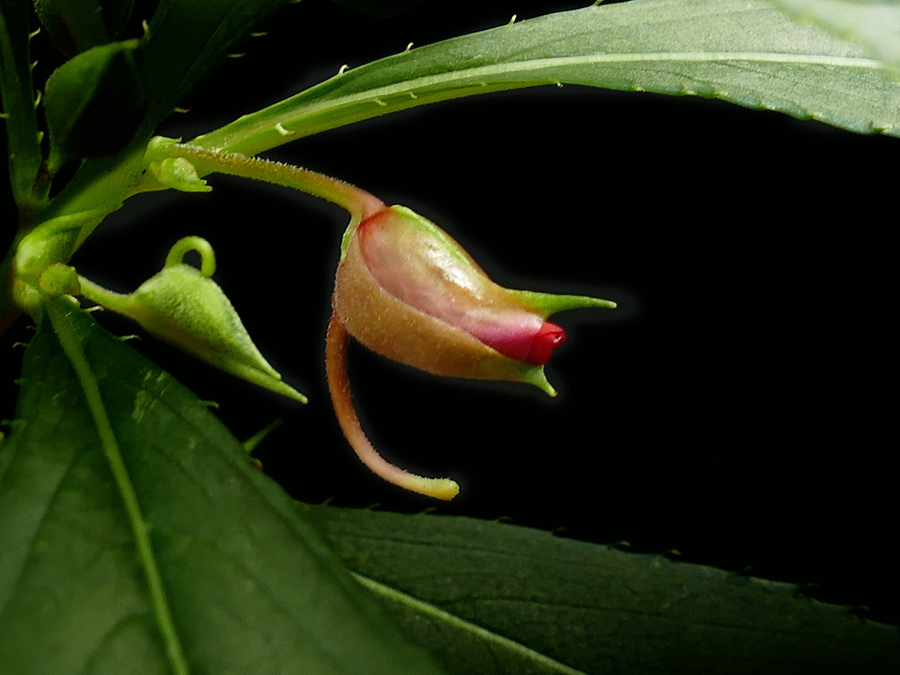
[[535, 375], [95, 102], [548, 304]]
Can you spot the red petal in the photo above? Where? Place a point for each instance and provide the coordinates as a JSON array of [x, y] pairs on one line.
[[548, 338]]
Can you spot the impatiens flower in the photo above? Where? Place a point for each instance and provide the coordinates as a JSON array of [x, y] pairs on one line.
[[406, 290]]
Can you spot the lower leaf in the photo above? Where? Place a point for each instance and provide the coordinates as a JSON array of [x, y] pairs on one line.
[[493, 598], [246, 585]]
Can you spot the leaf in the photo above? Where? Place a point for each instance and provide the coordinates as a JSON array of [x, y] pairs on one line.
[[95, 102], [493, 598], [135, 538], [77, 25], [744, 51], [875, 24], [187, 38], [73, 25], [17, 96]]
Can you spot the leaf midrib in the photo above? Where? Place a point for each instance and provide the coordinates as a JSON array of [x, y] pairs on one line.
[[436, 85], [472, 75], [394, 595], [159, 601]]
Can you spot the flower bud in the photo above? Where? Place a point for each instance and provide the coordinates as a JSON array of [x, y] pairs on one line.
[[408, 291], [185, 307]]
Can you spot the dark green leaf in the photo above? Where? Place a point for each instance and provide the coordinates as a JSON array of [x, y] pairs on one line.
[[74, 26], [135, 537], [744, 51], [494, 598], [115, 16], [188, 38], [95, 102], [17, 96]]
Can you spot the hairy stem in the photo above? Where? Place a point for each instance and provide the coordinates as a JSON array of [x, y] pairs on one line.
[[358, 202]]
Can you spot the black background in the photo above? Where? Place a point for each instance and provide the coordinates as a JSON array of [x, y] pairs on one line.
[[736, 407]]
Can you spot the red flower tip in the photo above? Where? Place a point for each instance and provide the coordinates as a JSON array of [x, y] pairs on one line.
[[548, 338]]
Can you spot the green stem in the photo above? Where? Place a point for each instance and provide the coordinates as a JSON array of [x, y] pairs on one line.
[[358, 202], [59, 313], [9, 310], [117, 302]]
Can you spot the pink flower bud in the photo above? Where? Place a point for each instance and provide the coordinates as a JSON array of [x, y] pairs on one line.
[[408, 291]]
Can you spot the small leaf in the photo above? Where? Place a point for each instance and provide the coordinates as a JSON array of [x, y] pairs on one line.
[[187, 39], [135, 537], [494, 598], [95, 102], [17, 96], [74, 26], [744, 51]]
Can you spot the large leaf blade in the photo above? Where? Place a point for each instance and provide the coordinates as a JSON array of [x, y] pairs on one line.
[[248, 586], [745, 51], [500, 591]]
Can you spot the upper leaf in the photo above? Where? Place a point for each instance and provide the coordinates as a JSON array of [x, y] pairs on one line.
[[495, 598], [745, 51], [77, 25], [875, 24], [231, 580]]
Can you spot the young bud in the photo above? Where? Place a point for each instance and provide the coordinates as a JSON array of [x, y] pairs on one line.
[[185, 307], [408, 291]]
